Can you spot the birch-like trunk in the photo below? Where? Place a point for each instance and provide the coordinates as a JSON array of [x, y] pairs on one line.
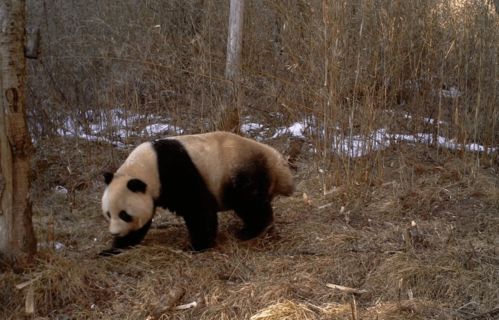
[[230, 109], [234, 40], [17, 240]]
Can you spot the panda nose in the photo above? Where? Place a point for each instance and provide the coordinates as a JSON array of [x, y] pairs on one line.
[[115, 234]]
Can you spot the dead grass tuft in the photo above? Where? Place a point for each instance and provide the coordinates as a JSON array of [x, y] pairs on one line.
[[286, 310]]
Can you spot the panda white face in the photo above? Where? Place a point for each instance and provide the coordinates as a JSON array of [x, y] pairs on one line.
[[126, 204]]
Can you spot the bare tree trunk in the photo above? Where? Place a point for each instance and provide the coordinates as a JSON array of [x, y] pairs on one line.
[[230, 109], [17, 240], [234, 40]]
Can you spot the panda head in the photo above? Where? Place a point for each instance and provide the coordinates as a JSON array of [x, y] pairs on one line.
[[126, 204]]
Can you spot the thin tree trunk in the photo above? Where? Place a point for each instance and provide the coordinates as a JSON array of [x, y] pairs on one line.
[[234, 40], [230, 109], [17, 240]]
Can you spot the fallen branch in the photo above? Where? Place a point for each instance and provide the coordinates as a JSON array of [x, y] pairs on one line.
[[187, 306], [346, 289], [26, 283]]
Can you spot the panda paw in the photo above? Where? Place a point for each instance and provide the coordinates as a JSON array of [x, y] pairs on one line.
[[110, 252], [246, 233], [199, 247]]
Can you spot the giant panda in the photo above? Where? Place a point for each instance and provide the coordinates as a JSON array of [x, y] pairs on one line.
[[195, 176]]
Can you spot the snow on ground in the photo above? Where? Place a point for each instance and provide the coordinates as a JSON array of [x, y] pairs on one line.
[[253, 129], [160, 128], [116, 126], [433, 121], [65, 132], [360, 145], [297, 129]]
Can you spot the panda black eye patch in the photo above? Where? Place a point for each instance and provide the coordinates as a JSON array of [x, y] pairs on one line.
[[108, 214], [125, 216]]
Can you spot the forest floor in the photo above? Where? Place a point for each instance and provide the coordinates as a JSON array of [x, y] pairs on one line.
[[423, 243]]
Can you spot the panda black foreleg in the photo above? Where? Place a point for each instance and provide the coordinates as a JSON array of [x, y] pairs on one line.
[[257, 218], [128, 241], [202, 227]]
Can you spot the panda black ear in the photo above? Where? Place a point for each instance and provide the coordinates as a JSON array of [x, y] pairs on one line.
[[108, 177], [136, 185]]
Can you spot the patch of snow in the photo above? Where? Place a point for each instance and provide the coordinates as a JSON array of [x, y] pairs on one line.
[[360, 145], [121, 133], [433, 121], [474, 147], [251, 127], [95, 128], [159, 128], [89, 137], [254, 129], [121, 126], [112, 126], [297, 130]]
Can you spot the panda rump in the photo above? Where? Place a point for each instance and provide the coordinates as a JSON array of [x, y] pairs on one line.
[[196, 176]]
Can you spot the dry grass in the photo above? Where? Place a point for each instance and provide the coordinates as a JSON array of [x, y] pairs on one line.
[[343, 63], [444, 267]]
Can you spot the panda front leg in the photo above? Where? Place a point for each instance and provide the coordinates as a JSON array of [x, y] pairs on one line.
[[257, 217], [130, 240], [202, 227]]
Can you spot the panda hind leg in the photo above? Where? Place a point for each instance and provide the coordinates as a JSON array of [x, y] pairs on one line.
[[257, 218], [202, 227]]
